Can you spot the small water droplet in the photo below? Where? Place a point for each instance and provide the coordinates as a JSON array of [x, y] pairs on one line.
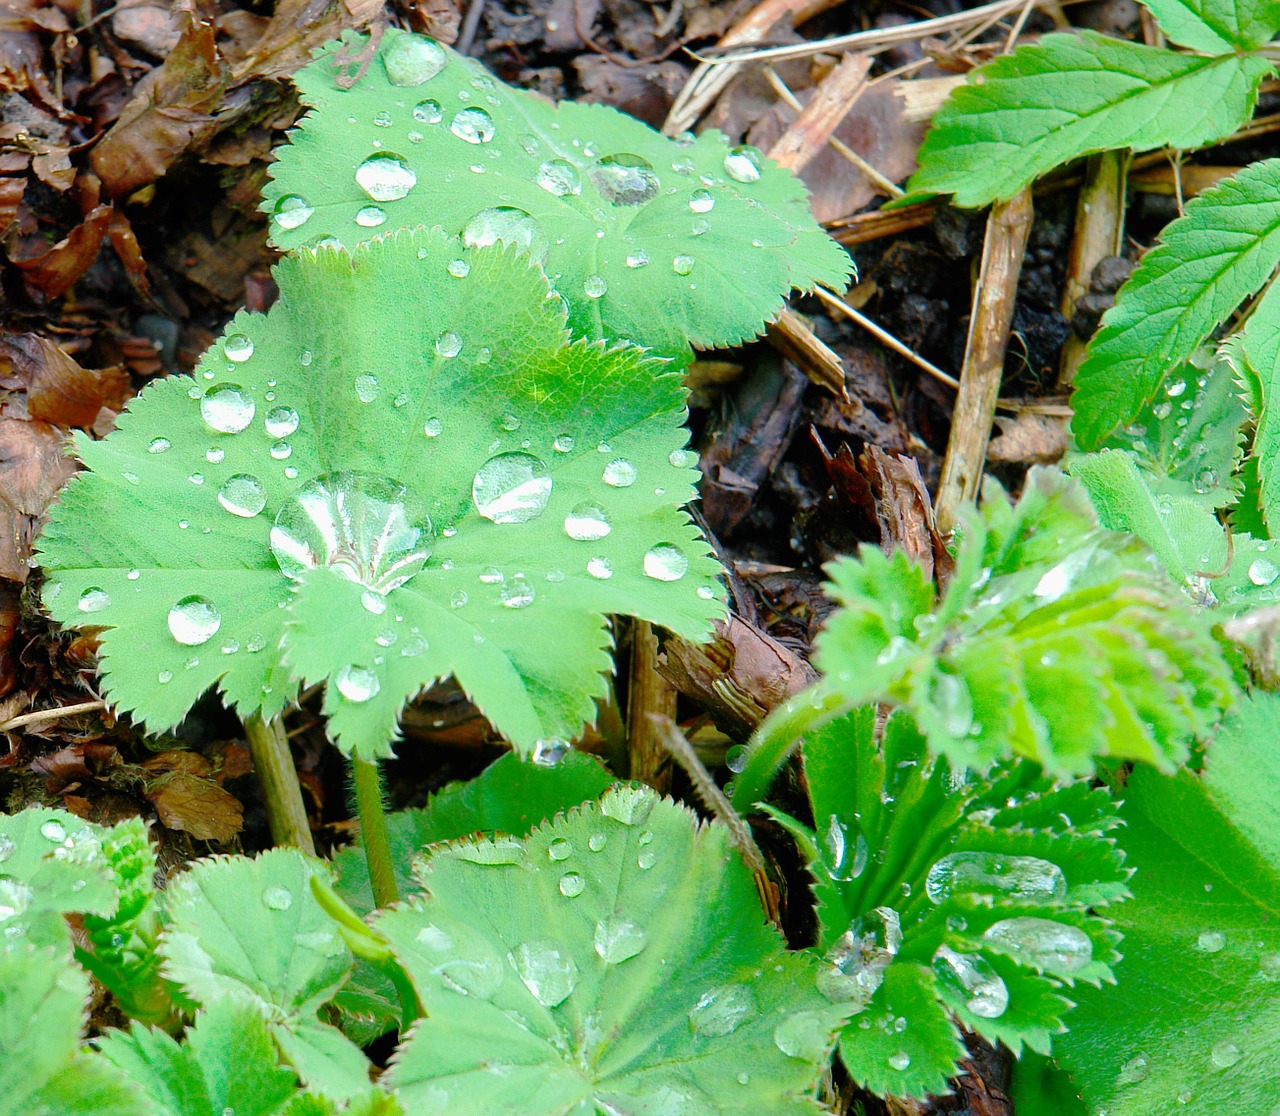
[[133, 575], [277, 898], [586, 522], [385, 177], [701, 201], [281, 421], [448, 344], [53, 831], [899, 1061], [594, 286], [638, 258], [517, 593], [564, 443], [93, 600], [742, 164], [625, 179], [370, 217], [1134, 1070], [600, 568], [367, 388], [646, 860], [1225, 1054], [238, 347], [735, 759], [413, 59], [194, 620], [722, 1010], [972, 980], [242, 494], [428, 112], [559, 177], [164, 676], [548, 973], [227, 408], [620, 473], [597, 841], [700, 227], [1262, 571], [357, 683], [617, 940], [560, 849], [230, 646], [665, 562], [1211, 941], [292, 212], [511, 488], [508, 225], [158, 445], [473, 125], [459, 598], [572, 885], [682, 265]]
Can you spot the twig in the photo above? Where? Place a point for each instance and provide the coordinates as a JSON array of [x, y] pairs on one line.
[[649, 697], [1008, 226], [886, 338], [470, 24], [794, 338], [23, 720], [278, 780]]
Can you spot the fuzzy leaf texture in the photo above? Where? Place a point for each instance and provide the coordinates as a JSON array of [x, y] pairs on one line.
[[616, 960], [663, 243], [1073, 94], [1195, 1026], [402, 472], [1216, 26], [1219, 253], [945, 897], [1055, 640]]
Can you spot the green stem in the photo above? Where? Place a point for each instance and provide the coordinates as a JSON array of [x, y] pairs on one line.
[[373, 830], [278, 779]]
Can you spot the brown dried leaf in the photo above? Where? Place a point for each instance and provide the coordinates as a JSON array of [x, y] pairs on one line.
[[55, 271], [297, 28], [1029, 439], [11, 191], [52, 165], [178, 759], [196, 806], [75, 762], [59, 391], [154, 27], [10, 617], [33, 467]]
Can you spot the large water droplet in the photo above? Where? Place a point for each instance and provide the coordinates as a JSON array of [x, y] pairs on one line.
[[1017, 877], [93, 600], [385, 177], [277, 898], [242, 494], [412, 60], [1262, 571], [742, 164], [618, 940], [359, 525], [559, 177], [625, 179], [1042, 942], [972, 980], [357, 683], [194, 620], [228, 408], [845, 859], [448, 344], [517, 593], [620, 473], [238, 347], [665, 562], [586, 522], [473, 125], [292, 211], [854, 966], [510, 226], [511, 488], [805, 1034], [722, 1010], [281, 421], [548, 972], [899, 1061]]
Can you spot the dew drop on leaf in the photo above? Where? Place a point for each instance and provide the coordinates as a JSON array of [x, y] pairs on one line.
[[480, 977], [1134, 1070], [586, 522], [665, 562], [722, 1010], [370, 217], [700, 227], [639, 258], [559, 177], [281, 450], [194, 620], [292, 212], [560, 849], [646, 860], [164, 676], [625, 179], [1042, 942], [158, 445], [432, 427], [277, 898], [594, 286], [1225, 1054], [412, 59], [517, 593], [459, 598], [619, 473], [682, 265], [597, 841], [459, 269], [385, 176], [511, 488], [374, 603], [473, 125], [506, 224], [242, 494], [238, 347], [1211, 941], [701, 201], [428, 112], [1262, 571], [53, 831], [564, 443], [970, 977], [227, 408], [367, 388], [357, 683], [448, 344], [281, 421], [1017, 877], [742, 164], [617, 940], [572, 885], [600, 568], [230, 646], [549, 974], [899, 1061], [803, 1035], [93, 600]]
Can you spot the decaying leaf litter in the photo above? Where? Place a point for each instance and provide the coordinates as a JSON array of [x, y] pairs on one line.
[[133, 145]]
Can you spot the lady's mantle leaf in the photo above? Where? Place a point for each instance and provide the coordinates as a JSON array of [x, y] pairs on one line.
[[454, 489], [1068, 95], [618, 961], [1195, 1025], [1208, 262], [942, 895], [662, 243]]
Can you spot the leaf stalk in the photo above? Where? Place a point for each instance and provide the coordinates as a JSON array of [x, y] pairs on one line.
[[372, 811], [278, 780]]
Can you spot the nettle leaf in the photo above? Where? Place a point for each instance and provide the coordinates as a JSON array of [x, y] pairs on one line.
[[1254, 352], [402, 472], [1069, 95], [1208, 261], [1055, 640], [42, 1011], [1216, 26], [1195, 1027], [616, 960], [228, 1063], [250, 931], [664, 243], [51, 865], [946, 897]]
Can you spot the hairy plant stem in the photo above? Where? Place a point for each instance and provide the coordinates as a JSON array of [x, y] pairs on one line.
[[278, 780], [372, 812]]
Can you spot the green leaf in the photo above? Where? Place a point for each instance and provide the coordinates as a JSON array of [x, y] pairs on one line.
[[1208, 261], [1216, 26], [1039, 1088], [409, 393], [228, 1063], [946, 895], [617, 959], [52, 866], [1255, 352], [1069, 95], [250, 931], [662, 243], [1195, 1026]]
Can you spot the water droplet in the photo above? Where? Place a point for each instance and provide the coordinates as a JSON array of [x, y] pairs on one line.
[[618, 940], [517, 593], [227, 408], [1134, 1070], [93, 600], [8, 846], [1162, 410], [572, 885], [370, 217], [230, 646], [560, 849], [164, 676], [432, 427], [665, 562], [701, 201], [428, 112], [597, 841], [564, 443], [586, 522], [281, 421], [510, 226], [600, 568], [549, 974], [53, 831], [972, 980], [238, 347], [1225, 1054], [385, 177], [357, 683], [413, 59], [646, 860], [1263, 571], [1017, 877], [620, 473], [491, 575], [594, 286], [735, 759], [242, 494], [722, 1010], [292, 211], [1211, 941], [682, 265], [459, 598], [742, 164], [625, 179], [480, 977], [158, 445], [133, 575], [1176, 388], [194, 620], [1042, 942], [511, 488], [638, 258], [277, 898], [559, 177], [360, 526], [448, 344], [473, 125]]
